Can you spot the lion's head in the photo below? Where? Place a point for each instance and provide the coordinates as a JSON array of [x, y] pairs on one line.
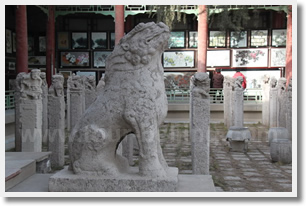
[[138, 47]]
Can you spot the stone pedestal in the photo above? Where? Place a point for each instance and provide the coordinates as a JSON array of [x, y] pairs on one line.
[[276, 133], [238, 138], [30, 121], [199, 123], [281, 151], [66, 181], [56, 114]]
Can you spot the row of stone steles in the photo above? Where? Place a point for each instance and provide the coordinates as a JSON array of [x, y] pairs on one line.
[[277, 114], [40, 111]]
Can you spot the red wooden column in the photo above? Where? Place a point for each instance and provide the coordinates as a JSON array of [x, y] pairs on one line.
[[119, 23], [21, 39], [289, 45], [50, 56], [202, 38]]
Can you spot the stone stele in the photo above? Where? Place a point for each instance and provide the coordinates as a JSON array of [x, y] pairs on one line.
[[133, 100]]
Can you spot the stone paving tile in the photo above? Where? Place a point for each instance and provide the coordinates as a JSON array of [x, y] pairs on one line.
[[232, 171]]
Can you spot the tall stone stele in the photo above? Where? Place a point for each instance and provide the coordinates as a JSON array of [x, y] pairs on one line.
[[44, 88], [282, 102], [238, 135], [227, 88], [90, 90], [18, 142], [238, 103], [56, 117], [132, 101], [200, 122], [30, 111], [266, 100], [289, 109], [274, 105], [75, 100]]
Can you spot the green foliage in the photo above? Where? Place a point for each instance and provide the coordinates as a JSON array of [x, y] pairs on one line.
[[230, 19], [169, 14]]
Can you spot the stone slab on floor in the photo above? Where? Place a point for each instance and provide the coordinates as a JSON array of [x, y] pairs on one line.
[[66, 181], [21, 165], [195, 183], [35, 183]]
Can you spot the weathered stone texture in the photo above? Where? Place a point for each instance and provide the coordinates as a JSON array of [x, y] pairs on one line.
[[274, 104], [227, 88], [90, 90], [75, 100], [199, 123], [282, 102], [56, 116], [30, 111], [265, 100], [133, 100], [44, 88]]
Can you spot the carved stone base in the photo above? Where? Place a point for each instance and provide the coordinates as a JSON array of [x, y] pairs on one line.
[[238, 138], [66, 181]]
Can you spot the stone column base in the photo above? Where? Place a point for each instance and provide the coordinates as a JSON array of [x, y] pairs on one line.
[[67, 181], [238, 138]]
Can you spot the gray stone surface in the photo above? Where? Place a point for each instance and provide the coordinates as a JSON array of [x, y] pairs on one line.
[[276, 133], [35, 183], [21, 165], [195, 183], [238, 138], [18, 141], [44, 88], [227, 88], [282, 102], [128, 148], [56, 115], [265, 100], [90, 90], [133, 100], [75, 100], [281, 150], [199, 122], [100, 86], [238, 102], [289, 109], [30, 111], [274, 104], [67, 181]]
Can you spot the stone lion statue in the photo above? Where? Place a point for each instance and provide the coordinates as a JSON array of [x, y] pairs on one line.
[[133, 100]]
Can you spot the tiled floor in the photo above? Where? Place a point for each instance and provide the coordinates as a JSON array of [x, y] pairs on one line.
[[232, 171]]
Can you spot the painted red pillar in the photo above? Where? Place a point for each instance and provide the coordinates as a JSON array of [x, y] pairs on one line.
[[119, 23], [202, 38], [50, 56], [21, 39], [289, 45]]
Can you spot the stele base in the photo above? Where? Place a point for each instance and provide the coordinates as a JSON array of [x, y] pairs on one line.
[[67, 181]]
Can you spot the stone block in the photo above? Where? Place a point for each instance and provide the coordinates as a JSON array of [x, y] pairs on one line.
[[281, 150], [277, 133], [66, 181], [238, 138]]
